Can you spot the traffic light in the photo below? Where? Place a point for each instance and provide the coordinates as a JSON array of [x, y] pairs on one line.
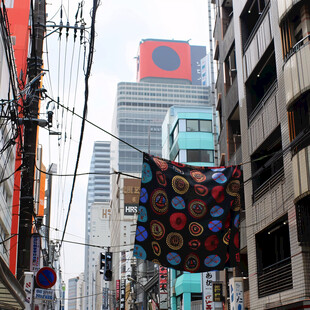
[[102, 263], [108, 266]]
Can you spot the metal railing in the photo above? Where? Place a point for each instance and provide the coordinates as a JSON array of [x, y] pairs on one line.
[[275, 278], [298, 46]]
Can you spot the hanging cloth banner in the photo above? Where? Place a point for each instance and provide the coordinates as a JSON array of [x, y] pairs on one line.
[[188, 217]]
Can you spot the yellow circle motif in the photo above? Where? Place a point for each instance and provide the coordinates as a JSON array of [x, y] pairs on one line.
[[174, 241], [180, 184]]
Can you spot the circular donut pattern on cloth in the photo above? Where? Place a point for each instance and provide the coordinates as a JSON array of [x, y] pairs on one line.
[[236, 221], [178, 220], [194, 244], [144, 195], [162, 165], [139, 252], [174, 241], [178, 203], [218, 194], [197, 208], [226, 237], [216, 211], [212, 243], [198, 176], [142, 214], [195, 229], [212, 260], [215, 226], [161, 178], [233, 188], [200, 190], [156, 248], [192, 262], [159, 201], [173, 258], [219, 178], [141, 233], [146, 173], [180, 185], [157, 229]]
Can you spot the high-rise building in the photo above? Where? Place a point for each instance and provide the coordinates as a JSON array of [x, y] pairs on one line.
[[76, 293], [263, 102], [188, 137], [168, 74], [97, 215]]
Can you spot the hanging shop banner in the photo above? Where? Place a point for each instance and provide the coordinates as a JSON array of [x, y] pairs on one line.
[[35, 249], [105, 296], [123, 292], [217, 292], [163, 287], [131, 192], [188, 217], [207, 279], [117, 290], [236, 293], [28, 288]]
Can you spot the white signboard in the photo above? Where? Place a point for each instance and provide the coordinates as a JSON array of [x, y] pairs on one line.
[[40, 293], [236, 293], [207, 279], [28, 288]]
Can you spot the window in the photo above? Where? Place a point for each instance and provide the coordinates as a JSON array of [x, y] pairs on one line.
[[175, 133], [295, 29], [230, 69], [251, 16], [200, 156], [233, 133], [262, 82], [303, 220], [274, 258], [227, 14], [267, 164], [195, 125], [299, 122]]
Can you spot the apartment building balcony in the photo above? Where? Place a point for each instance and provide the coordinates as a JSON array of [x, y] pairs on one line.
[[256, 37], [285, 6], [296, 70]]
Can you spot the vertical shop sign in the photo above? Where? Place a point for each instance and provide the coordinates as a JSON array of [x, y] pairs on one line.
[[207, 289], [35, 252], [236, 293]]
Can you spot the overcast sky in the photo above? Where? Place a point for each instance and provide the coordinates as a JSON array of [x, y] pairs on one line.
[[120, 25]]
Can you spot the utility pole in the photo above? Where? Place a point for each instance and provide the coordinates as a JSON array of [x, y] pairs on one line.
[[31, 110]]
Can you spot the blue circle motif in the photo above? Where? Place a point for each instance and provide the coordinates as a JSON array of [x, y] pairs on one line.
[[139, 252], [218, 169], [178, 203], [215, 226], [146, 173], [142, 214], [143, 195], [216, 211], [173, 258], [219, 178], [141, 233], [236, 221], [212, 260], [166, 58]]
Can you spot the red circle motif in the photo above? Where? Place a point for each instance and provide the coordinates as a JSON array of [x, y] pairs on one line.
[[211, 243], [178, 220]]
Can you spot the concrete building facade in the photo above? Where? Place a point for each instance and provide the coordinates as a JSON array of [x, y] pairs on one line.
[[262, 99]]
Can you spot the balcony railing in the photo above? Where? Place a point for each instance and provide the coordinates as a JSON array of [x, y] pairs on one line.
[[298, 46], [266, 186], [275, 278]]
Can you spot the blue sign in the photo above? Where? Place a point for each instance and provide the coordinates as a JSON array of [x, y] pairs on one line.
[[46, 277]]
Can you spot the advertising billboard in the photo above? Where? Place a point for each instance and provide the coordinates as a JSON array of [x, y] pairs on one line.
[[164, 59], [131, 192]]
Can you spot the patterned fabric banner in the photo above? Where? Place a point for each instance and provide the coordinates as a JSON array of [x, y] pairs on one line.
[[188, 217]]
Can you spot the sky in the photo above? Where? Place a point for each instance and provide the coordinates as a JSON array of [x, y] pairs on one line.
[[120, 25]]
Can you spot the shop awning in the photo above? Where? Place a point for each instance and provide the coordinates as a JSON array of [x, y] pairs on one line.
[[12, 295]]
